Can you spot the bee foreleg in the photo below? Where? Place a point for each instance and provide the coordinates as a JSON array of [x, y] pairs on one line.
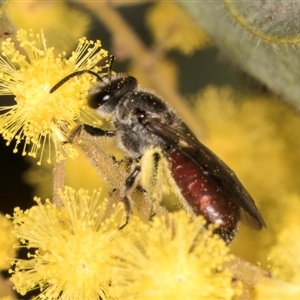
[[95, 131]]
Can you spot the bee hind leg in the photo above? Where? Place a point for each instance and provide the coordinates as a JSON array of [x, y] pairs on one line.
[[153, 175], [149, 175]]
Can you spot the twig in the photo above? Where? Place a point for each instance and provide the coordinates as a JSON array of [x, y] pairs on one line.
[[58, 181], [247, 273]]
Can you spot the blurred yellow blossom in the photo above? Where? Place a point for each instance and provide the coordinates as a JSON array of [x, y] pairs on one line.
[[54, 16], [41, 177], [173, 29], [240, 139], [256, 135], [74, 247], [6, 289], [39, 117], [284, 264], [167, 69], [174, 257], [271, 288], [7, 242]]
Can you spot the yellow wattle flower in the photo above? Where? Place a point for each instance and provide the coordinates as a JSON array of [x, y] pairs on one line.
[[73, 257], [78, 252], [28, 71], [284, 263], [175, 257], [170, 24], [55, 17]]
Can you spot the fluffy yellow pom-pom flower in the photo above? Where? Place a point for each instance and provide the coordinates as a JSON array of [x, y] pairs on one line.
[[173, 29], [82, 254], [175, 257], [74, 247], [28, 71], [285, 265]]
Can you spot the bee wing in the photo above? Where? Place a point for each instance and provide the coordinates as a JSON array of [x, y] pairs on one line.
[[217, 172]]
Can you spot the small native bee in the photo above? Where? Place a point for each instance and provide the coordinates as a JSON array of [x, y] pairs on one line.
[[145, 126]]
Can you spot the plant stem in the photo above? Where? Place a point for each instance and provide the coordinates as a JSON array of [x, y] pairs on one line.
[[58, 181]]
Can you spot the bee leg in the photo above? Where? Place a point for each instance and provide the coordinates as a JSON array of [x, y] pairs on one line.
[[126, 162], [153, 177], [128, 211], [130, 184], [156, 157], [95, 131]]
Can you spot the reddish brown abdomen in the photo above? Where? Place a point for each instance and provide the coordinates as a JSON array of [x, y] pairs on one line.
[[203, 196]]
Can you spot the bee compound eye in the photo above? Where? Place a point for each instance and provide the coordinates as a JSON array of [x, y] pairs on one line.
[[98, 99]]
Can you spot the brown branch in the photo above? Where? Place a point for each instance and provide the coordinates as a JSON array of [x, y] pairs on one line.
[[58, 181], [6, 289], [246, 272]]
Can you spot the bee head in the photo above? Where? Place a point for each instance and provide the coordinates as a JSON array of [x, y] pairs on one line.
[[106, 94]]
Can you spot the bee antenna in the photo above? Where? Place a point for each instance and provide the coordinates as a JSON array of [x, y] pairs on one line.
[[77, 73], [110, 62]]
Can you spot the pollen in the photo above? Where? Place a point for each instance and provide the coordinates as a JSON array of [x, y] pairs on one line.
[[39, 119]]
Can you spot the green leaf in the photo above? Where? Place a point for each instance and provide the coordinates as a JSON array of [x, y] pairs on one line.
[[275, 65]]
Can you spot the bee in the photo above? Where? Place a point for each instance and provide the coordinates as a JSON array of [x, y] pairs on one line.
[[151, 133]]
